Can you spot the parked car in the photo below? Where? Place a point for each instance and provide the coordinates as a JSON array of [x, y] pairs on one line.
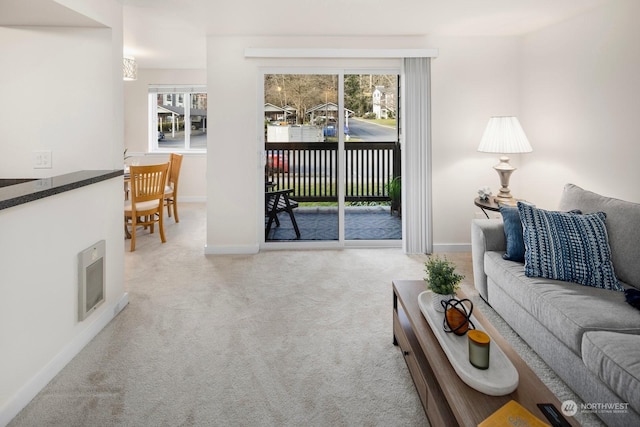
[[277, 162]]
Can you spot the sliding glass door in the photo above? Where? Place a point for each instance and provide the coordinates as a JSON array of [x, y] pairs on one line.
[[372, 158], [331, 155], [301, 165]]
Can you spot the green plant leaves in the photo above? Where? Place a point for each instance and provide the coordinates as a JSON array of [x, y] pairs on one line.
[[441, 275]]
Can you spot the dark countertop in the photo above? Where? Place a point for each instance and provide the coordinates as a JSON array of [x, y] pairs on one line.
[[26, 192], [4, 182]]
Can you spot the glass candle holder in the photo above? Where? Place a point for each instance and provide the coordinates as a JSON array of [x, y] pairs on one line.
[[479, 345]]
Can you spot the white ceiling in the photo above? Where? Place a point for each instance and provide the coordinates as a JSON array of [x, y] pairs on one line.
[[41, 13], [172, 33]]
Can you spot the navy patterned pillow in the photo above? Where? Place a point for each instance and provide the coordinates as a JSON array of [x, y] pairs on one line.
[[569, 247], [513, 232]]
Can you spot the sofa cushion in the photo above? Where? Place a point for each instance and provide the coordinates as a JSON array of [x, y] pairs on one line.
[[568, 247], [566, 309], [615, 359], [623, 228], [512, 233]]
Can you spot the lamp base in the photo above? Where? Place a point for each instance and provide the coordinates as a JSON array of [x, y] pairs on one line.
[[505, 199], [504, 170]]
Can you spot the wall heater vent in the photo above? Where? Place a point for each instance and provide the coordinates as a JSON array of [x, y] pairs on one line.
[[91, 279]]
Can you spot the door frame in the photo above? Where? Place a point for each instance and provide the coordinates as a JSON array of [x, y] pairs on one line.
[[261, 154]]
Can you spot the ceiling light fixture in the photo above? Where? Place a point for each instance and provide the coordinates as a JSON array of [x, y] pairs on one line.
[[129, 69]]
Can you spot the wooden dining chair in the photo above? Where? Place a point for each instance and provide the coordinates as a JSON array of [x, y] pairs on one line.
[[145, 206], [171, 190]]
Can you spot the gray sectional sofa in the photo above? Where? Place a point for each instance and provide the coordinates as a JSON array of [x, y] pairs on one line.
[[589, 336]]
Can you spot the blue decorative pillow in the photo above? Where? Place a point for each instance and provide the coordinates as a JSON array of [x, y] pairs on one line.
[[512, 233], [569, 247]]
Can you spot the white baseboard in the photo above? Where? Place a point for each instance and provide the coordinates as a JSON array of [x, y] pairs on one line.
[[231, 250], [254, 249], [28, 391], [452, 247], [192, 199]]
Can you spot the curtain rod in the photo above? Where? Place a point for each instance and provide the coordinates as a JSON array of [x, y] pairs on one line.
[[338, 53]]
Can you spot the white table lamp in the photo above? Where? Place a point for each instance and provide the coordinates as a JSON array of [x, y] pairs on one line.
[[504, 135]]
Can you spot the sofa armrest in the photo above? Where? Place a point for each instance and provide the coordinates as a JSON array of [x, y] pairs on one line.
[[486, 235]]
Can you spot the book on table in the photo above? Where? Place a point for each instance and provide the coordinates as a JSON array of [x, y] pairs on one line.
[[512, 414]]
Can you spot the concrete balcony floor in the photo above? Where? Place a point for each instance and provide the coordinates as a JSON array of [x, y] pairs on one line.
[[321, 223]]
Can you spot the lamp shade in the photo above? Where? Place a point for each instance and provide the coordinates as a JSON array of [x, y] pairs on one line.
[[504, 135], [129, 69]]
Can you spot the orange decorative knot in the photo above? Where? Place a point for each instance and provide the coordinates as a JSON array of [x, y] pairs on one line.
[[457, 318]]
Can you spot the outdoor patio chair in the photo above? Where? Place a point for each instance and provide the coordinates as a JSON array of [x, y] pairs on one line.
[[275, 202]]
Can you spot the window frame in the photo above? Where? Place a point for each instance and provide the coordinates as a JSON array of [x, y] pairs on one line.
[[186, 91], [340, 72]]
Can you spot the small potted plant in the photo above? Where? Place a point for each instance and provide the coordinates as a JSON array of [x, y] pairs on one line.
[[394, 189], [441, 279]]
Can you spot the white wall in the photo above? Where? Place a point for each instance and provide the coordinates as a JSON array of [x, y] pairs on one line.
[[63, 92], [39, 327], [56, 98], [581, 102], [233, 143], [473, 78], [576, 90], [573, 85], [193, 182]]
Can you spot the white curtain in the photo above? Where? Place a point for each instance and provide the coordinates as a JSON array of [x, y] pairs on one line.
[[416, 155]]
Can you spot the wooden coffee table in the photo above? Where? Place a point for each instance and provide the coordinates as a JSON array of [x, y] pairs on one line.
[[446, 399]]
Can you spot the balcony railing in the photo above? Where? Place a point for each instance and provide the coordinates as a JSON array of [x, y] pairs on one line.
[[310, 169]]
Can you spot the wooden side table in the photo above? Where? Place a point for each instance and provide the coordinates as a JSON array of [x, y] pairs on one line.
[[491, 204]]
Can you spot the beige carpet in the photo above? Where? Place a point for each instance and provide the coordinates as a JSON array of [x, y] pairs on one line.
[[281, 338]]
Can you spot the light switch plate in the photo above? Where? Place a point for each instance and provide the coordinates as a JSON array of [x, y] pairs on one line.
[[42, 159]]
